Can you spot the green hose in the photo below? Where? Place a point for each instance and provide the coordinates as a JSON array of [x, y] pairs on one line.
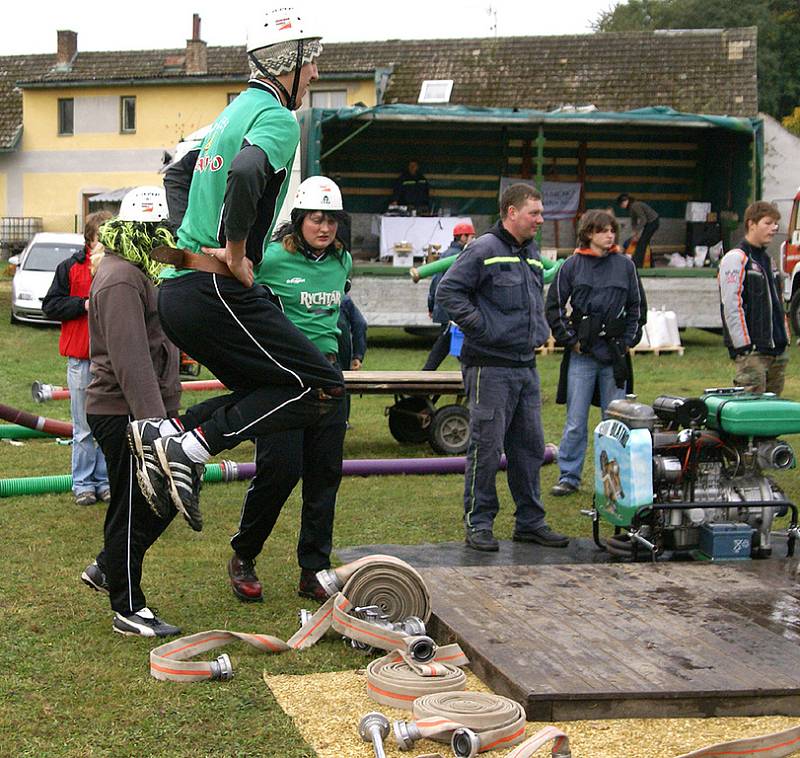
[[43, 485], [17, 432]]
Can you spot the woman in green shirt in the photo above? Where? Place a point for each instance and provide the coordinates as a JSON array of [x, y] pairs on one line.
[[306, 269]]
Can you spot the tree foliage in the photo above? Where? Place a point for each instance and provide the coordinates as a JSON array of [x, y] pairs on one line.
[[778, 23], [792, 121]]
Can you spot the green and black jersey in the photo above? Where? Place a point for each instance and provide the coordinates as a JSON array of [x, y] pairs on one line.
[[237, 190], [310, 291]]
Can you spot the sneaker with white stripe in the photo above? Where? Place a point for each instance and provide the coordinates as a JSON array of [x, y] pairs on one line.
[[152, 482], [143, 623], [184, 478], [93, 576]]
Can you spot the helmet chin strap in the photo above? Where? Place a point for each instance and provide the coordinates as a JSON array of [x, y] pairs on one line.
[[291, 99]]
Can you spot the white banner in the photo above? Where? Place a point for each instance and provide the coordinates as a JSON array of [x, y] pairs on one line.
[[560, 199]]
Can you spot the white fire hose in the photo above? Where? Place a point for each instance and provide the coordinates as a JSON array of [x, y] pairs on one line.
[[775, 745]]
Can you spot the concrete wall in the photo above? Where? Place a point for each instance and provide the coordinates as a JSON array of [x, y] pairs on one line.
[[397, 301]]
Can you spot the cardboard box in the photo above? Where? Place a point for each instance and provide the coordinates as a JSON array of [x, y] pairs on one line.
[[697, 211]]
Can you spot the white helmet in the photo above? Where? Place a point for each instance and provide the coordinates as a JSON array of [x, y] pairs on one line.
[[318, 193], [281, 24], [144, 204]]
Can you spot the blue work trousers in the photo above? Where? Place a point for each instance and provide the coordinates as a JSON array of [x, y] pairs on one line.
[[505, 415]]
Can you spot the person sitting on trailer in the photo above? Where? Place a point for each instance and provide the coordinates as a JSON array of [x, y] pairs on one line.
[[594, 309], [463, 234], [411, 190]]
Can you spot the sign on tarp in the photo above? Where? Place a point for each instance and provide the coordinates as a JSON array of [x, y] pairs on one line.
[[561, 199]]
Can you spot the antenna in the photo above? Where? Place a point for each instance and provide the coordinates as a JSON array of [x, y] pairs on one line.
[[492, 13]]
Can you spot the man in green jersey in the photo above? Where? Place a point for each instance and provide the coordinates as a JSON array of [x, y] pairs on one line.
[[216, 313], [307, 269]]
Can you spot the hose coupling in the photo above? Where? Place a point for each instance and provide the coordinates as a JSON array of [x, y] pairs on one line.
[[329, 581], [405, 733], [222, 668], [422, 649], [374, 728], [304, 616], [412, 626], [465, 743]]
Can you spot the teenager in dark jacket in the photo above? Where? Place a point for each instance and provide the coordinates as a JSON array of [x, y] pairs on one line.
[[67, 301], [494, 293], [753, 319], [594, 311]]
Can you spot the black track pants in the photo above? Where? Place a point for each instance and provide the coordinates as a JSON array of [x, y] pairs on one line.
[[274, 372], [130, 527], [313, 453]]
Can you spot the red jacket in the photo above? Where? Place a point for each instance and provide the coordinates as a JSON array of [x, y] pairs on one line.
[[65, 302]]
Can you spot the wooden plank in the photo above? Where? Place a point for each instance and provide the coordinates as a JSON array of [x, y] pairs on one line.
[[404, 382], [628, 640]]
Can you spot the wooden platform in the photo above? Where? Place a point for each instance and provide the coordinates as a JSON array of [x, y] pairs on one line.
[[628, 640]]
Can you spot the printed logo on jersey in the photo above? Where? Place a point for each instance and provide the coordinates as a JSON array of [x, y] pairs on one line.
[[206, 163], [324, 299], [296, 280]]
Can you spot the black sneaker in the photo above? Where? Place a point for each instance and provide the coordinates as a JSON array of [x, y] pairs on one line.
[[93, 577], [143, 623], [544, 535], [152, 482], [482, 539], [563, 488], [184, 478]]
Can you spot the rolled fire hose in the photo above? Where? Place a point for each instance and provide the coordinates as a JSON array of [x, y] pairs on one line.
[[391, 681], [381, 580], [485, 720], [533, 743], [775, 745], [171, 660]]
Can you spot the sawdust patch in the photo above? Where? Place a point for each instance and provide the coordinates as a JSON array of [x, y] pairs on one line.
[[326, 709]]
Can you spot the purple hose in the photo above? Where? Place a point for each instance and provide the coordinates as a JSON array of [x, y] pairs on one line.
[[396, 466]]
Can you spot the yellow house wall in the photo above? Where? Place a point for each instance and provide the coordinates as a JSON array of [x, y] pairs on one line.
[[164, 114], [52, 172], [58, 198]]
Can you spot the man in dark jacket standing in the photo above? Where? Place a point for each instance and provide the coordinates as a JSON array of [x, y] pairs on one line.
[[494, 293], [753, 320], [67, 301]]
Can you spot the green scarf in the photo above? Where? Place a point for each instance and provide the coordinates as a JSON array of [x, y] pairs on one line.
[[133, 241]]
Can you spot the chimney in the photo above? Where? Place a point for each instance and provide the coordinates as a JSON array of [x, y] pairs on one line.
[[67, 49], [196, 50]]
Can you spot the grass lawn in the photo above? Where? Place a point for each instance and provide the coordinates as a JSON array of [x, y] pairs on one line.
[[70, 687]]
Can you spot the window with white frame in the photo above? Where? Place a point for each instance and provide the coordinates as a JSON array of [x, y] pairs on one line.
[[127, 115], [330, 98]]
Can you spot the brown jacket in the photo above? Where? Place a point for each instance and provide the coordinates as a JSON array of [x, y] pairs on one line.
[[134, 366]]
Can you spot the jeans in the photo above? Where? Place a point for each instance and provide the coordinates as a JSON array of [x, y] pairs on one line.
[[89, 472], [584, 373]]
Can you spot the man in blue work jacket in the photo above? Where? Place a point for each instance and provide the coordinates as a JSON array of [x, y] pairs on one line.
[[494, 293]]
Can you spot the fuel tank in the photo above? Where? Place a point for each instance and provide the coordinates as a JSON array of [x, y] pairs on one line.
[[747, 415]]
